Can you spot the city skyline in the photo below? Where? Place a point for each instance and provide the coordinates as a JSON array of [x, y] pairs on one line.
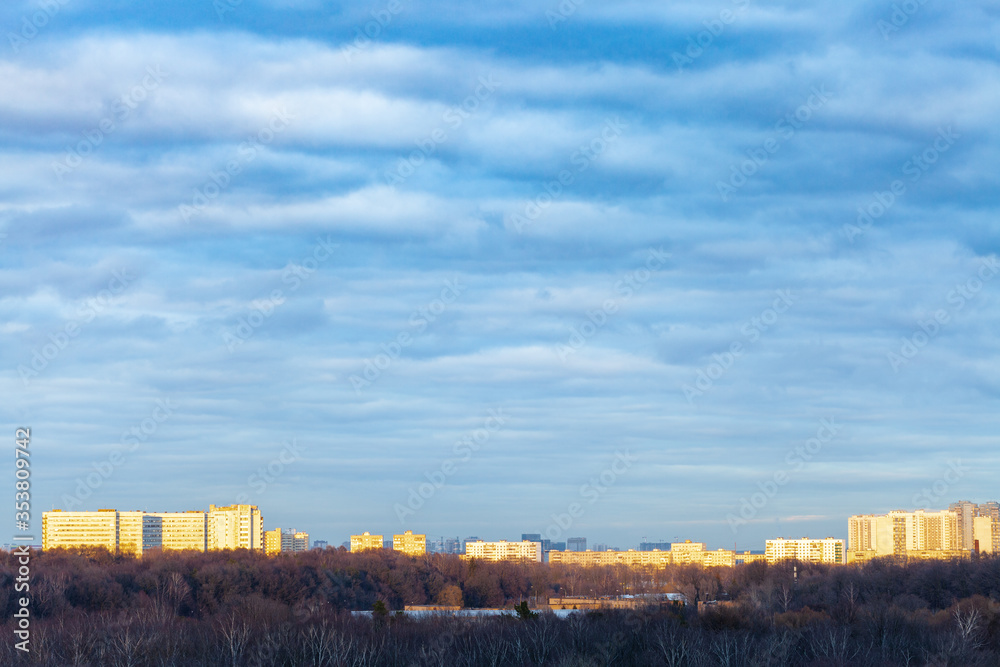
[[726, 267], [976, 527]]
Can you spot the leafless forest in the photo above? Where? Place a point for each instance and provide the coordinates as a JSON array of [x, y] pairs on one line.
[[238, 608]]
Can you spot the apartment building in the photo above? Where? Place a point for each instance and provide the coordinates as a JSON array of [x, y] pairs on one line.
[[984, 534], [285, 541], [748, 557], [410, 544], [981, 519], [900, 533], [686, 553], [182, 530], [628, 558], [504, 550], [131, 531], [80, 529], [365, 541], [235, 527], [828, 550]]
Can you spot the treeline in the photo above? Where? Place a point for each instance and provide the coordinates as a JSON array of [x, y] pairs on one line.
[[239, 608]]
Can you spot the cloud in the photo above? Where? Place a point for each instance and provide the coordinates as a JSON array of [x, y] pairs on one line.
[[415, 155]]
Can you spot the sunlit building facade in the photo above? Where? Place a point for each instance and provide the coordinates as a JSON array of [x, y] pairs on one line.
[[918, 534], [235, 527], [681, 553], [285, 541], [828, 550], [524, 550], [80, 529], [365, 541], [132, 532], [183, 530], [410, 544]]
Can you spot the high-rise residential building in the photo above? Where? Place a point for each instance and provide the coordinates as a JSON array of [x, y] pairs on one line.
[[921, 534], [365, 541], [576, 544], [320, 544], [128, 532], [410, 544], [965, 511], [654, 546], [182, 530], [808, 550], [235, 527], [504, 550], [983, 534], [991, 510], [80, 529], [969, 514], [138, 532], [287, 541]]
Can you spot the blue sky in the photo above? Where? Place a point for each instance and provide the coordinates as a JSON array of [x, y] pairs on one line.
[[502, 251]]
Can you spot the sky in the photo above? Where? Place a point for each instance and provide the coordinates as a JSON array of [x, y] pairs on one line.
[[720, 271]]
